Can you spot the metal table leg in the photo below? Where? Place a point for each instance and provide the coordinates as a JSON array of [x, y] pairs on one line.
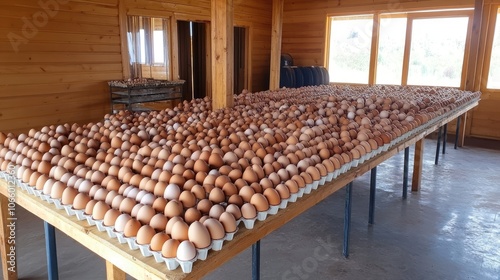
[[373, 187], [436, 161], [256, 260], [457, 131], [445, 135], [347, 219], [405, 172], [50, 244]]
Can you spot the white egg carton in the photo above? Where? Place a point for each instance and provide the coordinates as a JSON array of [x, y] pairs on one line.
[[131, 241], [203, 252], [284, 203], [273, 209], [216, 244], [144, 248], [89, 219], [329, 177], [157, 255], [120, 237], [37, 193], [31, 190], [321, 182], [301, 191], [354, 163], [172, 263], [45, 197], [57, 203], [99, 224], [69, 209], [249, 223], [80, 214], [293, 197], [262, 215], [111, 231], [230, 235]]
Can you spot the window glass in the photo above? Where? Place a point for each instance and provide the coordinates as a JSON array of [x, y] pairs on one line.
[[391, 48], [148, 47], [349, 53], [494, 74], [437, 51]]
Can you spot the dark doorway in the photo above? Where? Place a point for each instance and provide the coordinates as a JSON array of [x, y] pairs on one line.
[[193, 41], [240, 59]]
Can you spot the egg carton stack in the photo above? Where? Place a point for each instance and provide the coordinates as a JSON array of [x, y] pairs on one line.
[[179, 182]]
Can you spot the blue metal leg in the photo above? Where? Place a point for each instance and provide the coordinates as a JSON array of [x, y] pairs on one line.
[[50, 244], [256, 261], [440, 130], [457, 131], [445, 135], [347, 219], [405, 172], [373, 187]]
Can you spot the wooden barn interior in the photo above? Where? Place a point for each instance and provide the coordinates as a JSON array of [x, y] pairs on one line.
[[57, 57]]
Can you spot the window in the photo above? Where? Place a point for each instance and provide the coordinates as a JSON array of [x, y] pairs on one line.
[[391, 49], [148, 47], [415, 48], [494, 74], [350, 44], [437, 51]]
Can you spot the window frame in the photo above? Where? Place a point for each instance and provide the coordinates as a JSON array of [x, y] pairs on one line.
[[492, 21], [410, 16]]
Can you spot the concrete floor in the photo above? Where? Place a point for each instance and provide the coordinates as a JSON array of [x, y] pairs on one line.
[[448, 230]]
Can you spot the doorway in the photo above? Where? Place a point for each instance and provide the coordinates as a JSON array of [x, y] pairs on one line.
[[240, 59], [193, 58]]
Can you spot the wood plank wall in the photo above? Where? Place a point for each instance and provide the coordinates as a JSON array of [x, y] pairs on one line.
[[54, 61], [56, 72], [304, 34]]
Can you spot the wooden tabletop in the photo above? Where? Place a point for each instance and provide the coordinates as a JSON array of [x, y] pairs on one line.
[[139, 267]]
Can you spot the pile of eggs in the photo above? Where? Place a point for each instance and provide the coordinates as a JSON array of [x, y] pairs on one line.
[[180, 180]]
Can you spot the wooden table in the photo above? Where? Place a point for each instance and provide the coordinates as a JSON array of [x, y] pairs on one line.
[[120, 259]]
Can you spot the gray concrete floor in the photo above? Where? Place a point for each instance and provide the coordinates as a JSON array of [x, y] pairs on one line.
[[448, 230]]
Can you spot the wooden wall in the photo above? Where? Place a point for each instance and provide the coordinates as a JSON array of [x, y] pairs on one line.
[[56, 69], [54, 61], [304, 34]]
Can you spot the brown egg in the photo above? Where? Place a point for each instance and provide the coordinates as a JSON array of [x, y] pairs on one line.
[[180, 231], [131, 228], [216, 195], [173, 208], [158, 240], [171, 222], [158, 222], [68, 196], [228, 221], [80, 201], [215, 228], [272, 196], [90, 207], [169, 248], [234, 210], [199, 235], [127, 205], [215, 211], [57, 190], [110, 217], [248, 211], [99, 210], [145, 214], [159, 204], [187, 199], [246, 193], [260, 202], [314, 172], [145, 234], [250, 176], [191, 215]]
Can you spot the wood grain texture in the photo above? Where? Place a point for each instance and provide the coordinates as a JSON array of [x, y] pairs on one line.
[[418, 163], [276, 35], [8, 274]]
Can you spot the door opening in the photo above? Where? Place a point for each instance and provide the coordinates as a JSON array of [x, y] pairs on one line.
[[193, 59], [240, 59]]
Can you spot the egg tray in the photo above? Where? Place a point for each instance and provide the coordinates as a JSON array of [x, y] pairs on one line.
[[173, 263]]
